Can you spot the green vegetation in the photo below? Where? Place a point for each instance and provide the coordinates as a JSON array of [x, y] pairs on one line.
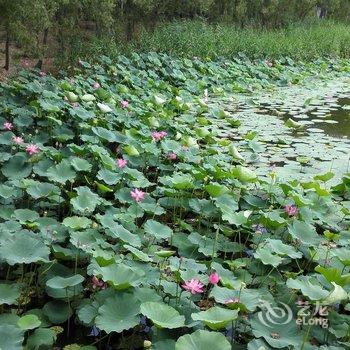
[[66, 30], [197, 38], [182, 183], [132, 214]]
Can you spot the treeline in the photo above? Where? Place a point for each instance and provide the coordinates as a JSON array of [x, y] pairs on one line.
[[52, 27]]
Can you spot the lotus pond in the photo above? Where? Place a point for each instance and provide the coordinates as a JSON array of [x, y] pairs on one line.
[[162, 203]]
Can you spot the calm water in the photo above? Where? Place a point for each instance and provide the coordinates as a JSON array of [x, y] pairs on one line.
[[322, 145]]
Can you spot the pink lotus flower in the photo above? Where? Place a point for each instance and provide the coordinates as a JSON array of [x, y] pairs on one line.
[[121, 163], [17, 139], [172, 156], [96, 85], [32, 149], [137, 195], [97, 284], [214, 278], [8, 126], [158, 135], [291, 210], [124, 104], [194, 286]]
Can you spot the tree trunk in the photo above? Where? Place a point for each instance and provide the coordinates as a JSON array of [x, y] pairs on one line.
[[130, 27], [7, 52], [39, 65]]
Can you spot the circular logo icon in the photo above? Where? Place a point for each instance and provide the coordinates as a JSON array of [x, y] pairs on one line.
[[272, 315]]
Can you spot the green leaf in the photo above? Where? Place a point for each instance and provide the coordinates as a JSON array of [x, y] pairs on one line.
[[104, 134], [325, 177], [57, 311], [290, 123], [6, 191], [244, 174], [86, 201], [272, 251], [162, 315], [138, 253], [77, 222], [59, 282], [337, 295], [304, 232], [334, 275], [121, 276], [24, 215], [80, 164], [118, 231], [278, 334], [309, 287], [23, 248], [42, 189], [131, 151], [216, 317], [28, 322], [157, 230], [16, 168], [41, 338], [11, 337], [9, 293], [244, 299], [228, 205], [216, 190], [267, 258], [118, 313], [61, 172], [202, 340]]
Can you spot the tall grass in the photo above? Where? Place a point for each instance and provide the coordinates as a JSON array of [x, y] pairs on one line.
[[195, 38], [198, 38]]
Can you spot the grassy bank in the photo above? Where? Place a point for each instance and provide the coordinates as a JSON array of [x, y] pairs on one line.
[[196, 38], [302, 41]]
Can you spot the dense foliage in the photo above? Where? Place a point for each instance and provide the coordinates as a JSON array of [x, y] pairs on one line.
[[196, 38], [127, 221], [54, 29]]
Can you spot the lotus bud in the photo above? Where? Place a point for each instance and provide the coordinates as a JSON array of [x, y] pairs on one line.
[[72, 97], [178, 136], [147, 344], [104, 108]]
